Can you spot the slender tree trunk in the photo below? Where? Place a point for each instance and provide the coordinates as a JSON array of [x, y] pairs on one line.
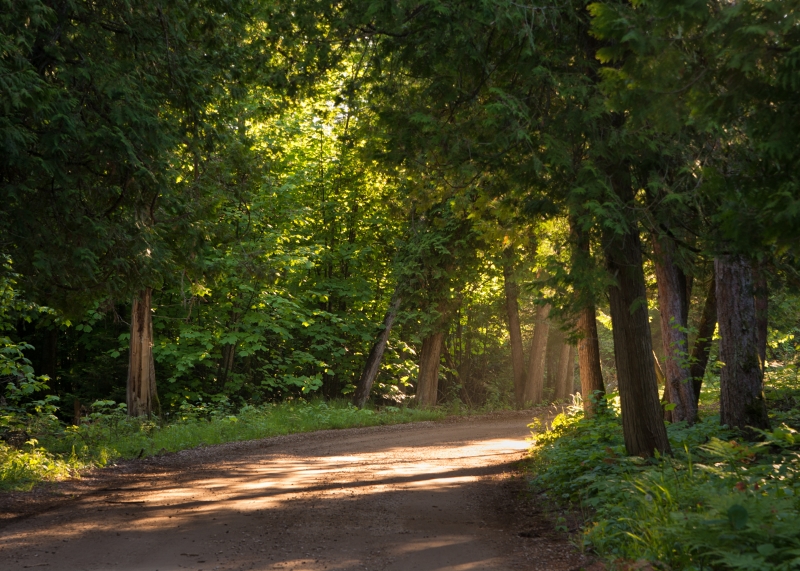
[[228, 353], [573, 362], [589, 360], [662, 381], [556, 341], [761, 295], [373, 364], [588, 348], [642, 417], [512, 311], [534, 382], [705, 335], [565, 366], [741, 402], [672, 305], [142, 395], [428, 378]]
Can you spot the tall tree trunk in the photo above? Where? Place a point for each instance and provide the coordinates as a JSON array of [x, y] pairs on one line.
[[589, 360], [428, 378], [741, 400], [672, 305], [591, 372], [705, 335], [556, 341], [373, 364], [565, 367], [761, 295], [142, 396], [534, 382], [642, 418], [512, 311]]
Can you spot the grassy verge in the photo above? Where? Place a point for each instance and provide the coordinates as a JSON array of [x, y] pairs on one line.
[[718, 503], [62, 452]]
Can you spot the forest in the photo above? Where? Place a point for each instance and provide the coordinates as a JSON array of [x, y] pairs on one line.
[[220, 214]]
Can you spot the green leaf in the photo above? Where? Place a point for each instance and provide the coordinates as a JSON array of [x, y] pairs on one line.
[[737, 516]]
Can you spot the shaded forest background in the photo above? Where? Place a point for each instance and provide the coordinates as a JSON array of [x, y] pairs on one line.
[[222, 202]]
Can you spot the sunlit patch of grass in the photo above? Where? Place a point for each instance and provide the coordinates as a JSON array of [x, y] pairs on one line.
[[22, 469], [110, 435]]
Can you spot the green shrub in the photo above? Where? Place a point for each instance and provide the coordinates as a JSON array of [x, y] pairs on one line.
[[717, 503]]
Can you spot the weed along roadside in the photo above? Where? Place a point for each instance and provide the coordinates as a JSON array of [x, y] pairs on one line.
[[720, 501]]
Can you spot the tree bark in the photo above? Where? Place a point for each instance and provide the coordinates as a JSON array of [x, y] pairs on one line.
[[563, 379], [141, 394], [428, 378], [761, 295], [741, 402], [514, 333], [589, 360], [556, 341], [672, 304], [591, 373], [573, 357], [373, 364], [534, 382], [705, 335], [642, 422]]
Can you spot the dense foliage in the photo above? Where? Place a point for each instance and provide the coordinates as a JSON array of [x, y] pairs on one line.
[[218, 207], [718, 503]]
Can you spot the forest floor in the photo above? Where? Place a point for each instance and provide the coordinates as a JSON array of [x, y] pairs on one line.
[[425, 496]]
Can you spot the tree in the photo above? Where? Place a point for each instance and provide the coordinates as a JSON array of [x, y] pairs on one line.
[[511, 290], [673, 309], [742, 403], [726, 72], [534, 382], [371, 367]]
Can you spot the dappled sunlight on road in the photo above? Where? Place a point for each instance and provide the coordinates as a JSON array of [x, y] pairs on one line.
[[399, 504]]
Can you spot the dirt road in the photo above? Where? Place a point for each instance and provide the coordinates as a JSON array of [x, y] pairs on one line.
[[425, 496]]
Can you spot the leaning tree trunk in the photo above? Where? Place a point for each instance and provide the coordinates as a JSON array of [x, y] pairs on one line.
[[512, 310], [705, 335], [428, 378], [642, 419], [142, 396], [534, 382], [672, 305], [741, 402], [373, 364], [563, 383]]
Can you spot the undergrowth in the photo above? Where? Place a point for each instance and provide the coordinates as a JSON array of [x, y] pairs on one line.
[[719, 503], [107, 434]]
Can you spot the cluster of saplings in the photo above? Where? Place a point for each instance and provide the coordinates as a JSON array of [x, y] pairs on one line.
[[229, 195]]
